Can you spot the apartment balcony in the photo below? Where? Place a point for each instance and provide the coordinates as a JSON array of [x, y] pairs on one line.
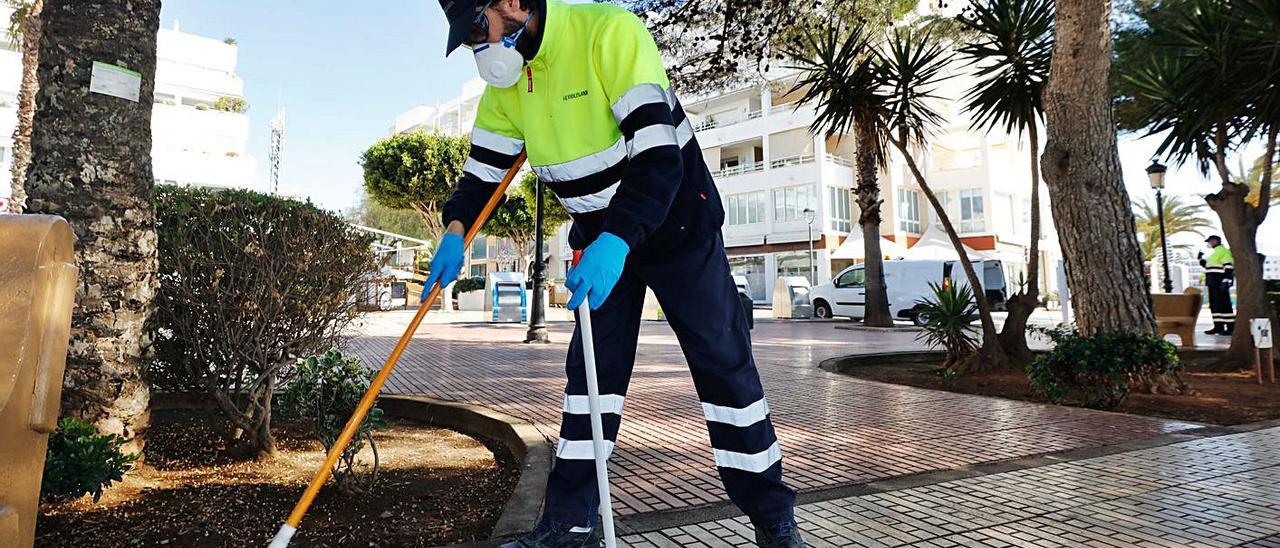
[[738, 170], [712, 122]]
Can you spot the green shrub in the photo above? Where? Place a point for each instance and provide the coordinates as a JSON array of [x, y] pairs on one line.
[[230, 104], [1101, 370], [324, 391], [467, 285], [80, 461], [947, 321], [249, 283]]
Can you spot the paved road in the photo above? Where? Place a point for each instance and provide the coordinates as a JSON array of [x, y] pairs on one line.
[[835, 431]]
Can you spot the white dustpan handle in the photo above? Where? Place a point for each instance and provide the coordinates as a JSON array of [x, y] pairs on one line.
[[597, 425]]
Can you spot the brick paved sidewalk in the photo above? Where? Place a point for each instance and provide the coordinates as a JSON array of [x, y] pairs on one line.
[[835, 430], [1219, 491]]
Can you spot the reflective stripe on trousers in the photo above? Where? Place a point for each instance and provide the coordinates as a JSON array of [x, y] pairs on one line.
[[698, 297]]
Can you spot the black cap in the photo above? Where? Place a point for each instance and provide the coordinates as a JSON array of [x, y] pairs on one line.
[[461, 15], [1212, 238]]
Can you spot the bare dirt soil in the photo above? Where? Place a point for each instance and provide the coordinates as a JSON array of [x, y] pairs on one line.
[[434, 487]]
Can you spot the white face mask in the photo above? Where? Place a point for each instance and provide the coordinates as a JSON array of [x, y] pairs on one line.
[[498, 62]]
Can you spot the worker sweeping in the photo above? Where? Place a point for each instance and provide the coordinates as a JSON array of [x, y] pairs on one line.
[[1219, 274], [582, 89]]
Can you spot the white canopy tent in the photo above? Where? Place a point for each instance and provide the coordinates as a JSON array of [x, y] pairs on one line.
[[853, 247], [934, 244]]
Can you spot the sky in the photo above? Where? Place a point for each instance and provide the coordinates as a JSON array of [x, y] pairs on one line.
[[344, 70], [341, 70]]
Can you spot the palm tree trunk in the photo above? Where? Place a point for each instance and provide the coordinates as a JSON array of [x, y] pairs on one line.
[[31, 32], [876, 300], [990, 355], [1013, 335], [1082, 170], [91, 164]]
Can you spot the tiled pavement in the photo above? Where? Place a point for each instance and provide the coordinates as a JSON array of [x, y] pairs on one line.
[[835, 431], [1218, 491]]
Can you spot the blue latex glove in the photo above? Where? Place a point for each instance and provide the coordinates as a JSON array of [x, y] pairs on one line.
[[598, 271], [445, 264]]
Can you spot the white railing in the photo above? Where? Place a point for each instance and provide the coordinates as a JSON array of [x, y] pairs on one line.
[[840, 161], [739, 170], [711, 123], [791, 161]]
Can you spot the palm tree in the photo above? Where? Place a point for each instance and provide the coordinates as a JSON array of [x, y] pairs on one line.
[[1210, 85], [24, 31], [1179, 218], [92, 166], [841, 78], [1011, 42], [912, 64]]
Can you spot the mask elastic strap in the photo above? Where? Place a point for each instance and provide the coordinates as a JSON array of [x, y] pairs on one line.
[[510, 41]]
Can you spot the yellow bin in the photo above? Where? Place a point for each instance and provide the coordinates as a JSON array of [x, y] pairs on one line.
[[38, 274]]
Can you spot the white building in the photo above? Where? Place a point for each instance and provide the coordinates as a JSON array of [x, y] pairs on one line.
[[769, 169], [195, 139]]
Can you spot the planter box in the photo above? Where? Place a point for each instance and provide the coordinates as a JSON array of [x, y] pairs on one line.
[[471, 300]]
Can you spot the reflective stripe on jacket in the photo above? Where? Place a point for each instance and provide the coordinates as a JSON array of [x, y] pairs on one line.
[[1220, 261]]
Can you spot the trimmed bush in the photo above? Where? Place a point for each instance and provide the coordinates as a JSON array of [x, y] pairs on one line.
[[467, 285], [324, 391], [249, 283], [80, 462], [1099, 371]]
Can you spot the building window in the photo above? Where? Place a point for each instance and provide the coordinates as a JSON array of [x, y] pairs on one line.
[[746, 209], [789, 203], [478, 249], [971, 211], [841, 219], [795, 264], [908, 211], [479, 270]]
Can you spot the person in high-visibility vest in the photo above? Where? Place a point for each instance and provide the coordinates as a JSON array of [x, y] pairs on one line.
[[1219, 275], [582, 89]]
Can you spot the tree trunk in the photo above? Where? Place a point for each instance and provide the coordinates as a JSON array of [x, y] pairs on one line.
[[1240, 222], [876, 300], [31, 32], [1082, 170], [1013, 335], [990, 355], [91, 164]]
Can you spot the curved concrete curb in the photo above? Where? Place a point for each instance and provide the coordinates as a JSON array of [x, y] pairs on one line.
[[521, 437]]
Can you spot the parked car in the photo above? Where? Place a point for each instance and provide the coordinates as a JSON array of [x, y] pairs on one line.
[[907, 282]]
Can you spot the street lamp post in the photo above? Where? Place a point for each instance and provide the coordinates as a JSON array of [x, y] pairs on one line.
[[1155, 172], [809, 215], [538, 318]]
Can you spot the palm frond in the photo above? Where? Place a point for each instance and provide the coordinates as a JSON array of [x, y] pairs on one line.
[[1011, 45], [912, 65], [839, 76]]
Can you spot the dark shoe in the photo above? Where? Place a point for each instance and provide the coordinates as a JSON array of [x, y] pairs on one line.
[[548, 535], [783, 535], [1228, 330], [1217, 329]]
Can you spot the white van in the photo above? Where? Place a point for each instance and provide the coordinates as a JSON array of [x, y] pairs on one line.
[[907, 282]]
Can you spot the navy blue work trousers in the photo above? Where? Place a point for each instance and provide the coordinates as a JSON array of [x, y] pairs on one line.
[[698, 297]]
